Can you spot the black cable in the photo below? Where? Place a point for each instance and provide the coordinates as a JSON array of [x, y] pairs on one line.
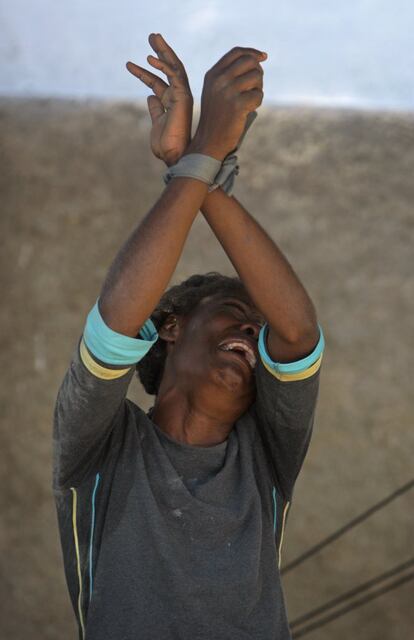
[[339, 532], [375, 594], [350, 594]]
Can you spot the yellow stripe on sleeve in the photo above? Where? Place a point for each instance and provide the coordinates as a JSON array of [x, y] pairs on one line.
[[283, 531], [75, 535], [301, 375], [97, 369]]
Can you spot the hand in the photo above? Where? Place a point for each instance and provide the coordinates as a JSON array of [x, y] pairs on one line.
[[171, 108], [232, 88]]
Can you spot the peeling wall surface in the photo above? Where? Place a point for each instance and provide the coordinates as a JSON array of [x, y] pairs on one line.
[[335, 190]]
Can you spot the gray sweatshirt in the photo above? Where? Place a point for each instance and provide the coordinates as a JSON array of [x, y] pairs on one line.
[[169, 541]]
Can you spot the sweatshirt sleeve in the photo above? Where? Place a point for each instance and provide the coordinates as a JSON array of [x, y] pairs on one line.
[[91, 400], [286, 397]]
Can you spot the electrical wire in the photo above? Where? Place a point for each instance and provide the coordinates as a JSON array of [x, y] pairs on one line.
[[375, 594], [352, 523], [350, 594]]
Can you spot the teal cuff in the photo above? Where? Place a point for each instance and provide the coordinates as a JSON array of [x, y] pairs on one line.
[[112, 347], [290, 367]]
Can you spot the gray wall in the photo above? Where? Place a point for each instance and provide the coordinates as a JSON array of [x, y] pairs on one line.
[[335, 191]]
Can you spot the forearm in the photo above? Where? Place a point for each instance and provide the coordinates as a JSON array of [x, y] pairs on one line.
[[146, 262], [267, 275]]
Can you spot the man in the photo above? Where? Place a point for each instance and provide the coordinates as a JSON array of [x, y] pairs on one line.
[[171, 522]]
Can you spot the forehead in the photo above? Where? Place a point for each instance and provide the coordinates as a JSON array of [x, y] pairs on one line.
[[211, 302]]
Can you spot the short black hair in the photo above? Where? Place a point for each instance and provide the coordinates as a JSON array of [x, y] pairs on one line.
[[181, 299]]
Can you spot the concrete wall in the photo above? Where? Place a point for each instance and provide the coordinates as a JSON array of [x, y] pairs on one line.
[[335, 191]]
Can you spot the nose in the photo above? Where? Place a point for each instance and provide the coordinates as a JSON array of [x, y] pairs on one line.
[[251, 328]]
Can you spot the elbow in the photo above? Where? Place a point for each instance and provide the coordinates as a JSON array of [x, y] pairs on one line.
[[310, 328], [307, 333]]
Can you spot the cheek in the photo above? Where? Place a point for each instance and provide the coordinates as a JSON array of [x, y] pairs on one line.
[[201, 335], [192, 355], [196, 348]]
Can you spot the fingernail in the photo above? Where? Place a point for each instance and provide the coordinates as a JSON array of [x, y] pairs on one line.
[[263, 54]]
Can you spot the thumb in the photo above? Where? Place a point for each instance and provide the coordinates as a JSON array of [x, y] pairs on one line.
[[155, 108]]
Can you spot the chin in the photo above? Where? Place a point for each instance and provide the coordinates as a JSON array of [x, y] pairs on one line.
[[234, 381]]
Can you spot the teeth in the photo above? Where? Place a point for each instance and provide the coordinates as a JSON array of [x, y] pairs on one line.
[[250, 357]]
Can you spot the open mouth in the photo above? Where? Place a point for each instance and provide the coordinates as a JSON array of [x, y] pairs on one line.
[[242, 350]]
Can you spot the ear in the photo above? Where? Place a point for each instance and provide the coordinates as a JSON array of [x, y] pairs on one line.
[[170, 329]]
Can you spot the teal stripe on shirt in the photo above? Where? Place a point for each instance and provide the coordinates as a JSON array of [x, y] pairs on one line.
[[112, 347], [290, 367]]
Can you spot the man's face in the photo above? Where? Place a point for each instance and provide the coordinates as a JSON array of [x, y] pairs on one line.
[[215, 351]]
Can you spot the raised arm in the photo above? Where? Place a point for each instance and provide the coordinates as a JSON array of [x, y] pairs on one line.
[[268, 276], [145, 263]]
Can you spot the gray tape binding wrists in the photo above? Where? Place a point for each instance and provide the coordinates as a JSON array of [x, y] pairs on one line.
[[210, 170]]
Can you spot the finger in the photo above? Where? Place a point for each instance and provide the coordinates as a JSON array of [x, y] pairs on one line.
[[150, 79], [155, 108], [251, 80], [242, 65], [173, 76], [167, 53], [235, 53], [252, 99]]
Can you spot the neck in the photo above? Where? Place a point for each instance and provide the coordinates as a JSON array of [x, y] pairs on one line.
[[187, 420]]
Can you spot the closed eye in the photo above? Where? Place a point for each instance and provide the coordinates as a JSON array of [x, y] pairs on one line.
[[237, 306]]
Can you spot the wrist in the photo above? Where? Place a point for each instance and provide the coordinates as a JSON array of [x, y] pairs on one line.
[[170, 163], [198, 146], [173, 157]]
